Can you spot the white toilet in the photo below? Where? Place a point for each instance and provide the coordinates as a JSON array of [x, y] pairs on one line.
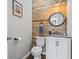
[[37, 50]]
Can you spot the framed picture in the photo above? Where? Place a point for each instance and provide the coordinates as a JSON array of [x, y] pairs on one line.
[[17, 9]]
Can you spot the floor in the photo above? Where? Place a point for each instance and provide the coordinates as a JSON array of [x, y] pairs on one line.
[[31, 57]]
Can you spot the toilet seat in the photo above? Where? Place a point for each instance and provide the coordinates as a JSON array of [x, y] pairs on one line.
[[36, 49]]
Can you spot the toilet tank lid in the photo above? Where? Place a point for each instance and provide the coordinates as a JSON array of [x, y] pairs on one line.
[[39, 37]]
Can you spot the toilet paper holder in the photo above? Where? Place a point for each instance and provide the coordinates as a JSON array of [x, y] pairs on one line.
[[18, 38], [15, 38]]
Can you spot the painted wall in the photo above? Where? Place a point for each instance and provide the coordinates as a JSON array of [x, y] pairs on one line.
[[69, 17], [20, 27]]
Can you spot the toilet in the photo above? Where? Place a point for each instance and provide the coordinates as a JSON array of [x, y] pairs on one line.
[[37, 50]]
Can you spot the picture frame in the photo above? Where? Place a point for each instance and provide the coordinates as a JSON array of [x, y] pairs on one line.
[[17, 9]]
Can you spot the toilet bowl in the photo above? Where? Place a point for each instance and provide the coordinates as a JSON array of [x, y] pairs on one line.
[[37, 50]]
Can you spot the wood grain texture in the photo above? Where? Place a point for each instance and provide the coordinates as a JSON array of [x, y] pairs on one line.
[[42, 9]]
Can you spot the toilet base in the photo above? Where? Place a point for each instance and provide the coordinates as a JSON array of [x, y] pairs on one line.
[[38, 57]]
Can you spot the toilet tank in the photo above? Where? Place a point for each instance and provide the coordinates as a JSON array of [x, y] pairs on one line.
[[40, 41], [58, 48]]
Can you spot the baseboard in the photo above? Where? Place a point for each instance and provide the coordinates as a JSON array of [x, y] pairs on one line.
[[26, 56]]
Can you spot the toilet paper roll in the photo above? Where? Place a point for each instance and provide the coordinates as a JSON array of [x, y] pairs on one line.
[[19, 38]]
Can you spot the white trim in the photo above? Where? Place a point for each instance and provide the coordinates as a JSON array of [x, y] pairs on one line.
[[26, 55]]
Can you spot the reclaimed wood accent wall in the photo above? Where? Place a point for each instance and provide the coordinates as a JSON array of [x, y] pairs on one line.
[[42, 9]]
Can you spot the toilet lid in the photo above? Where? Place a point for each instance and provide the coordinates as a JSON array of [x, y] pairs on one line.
[[36, 49]]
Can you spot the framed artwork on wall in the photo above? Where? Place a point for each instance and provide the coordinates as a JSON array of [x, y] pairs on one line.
[[17, 9]]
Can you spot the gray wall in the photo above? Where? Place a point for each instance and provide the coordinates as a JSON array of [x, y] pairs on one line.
[[20, 27], [69, 18]]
